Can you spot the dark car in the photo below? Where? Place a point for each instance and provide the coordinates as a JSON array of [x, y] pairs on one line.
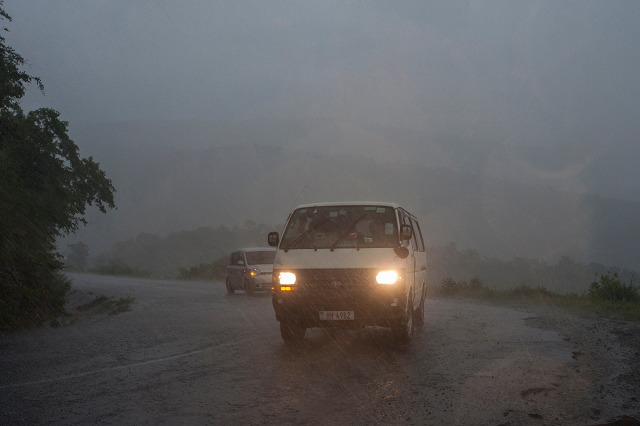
[[250, 269]]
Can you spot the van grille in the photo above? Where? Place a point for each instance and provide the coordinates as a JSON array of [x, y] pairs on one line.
[[335, 280]]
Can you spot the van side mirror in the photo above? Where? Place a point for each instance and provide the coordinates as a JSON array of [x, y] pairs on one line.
[[406, 232], [401, 252], [273, 239]]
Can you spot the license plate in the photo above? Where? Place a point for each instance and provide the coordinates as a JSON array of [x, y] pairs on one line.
[[336, 315]]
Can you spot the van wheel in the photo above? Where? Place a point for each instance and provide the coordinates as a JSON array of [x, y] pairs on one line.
[[247, 288], [230, 290], [291, 331], [403, 330]]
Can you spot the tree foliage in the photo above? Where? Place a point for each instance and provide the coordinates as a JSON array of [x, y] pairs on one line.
[[45, 187], [214, 271], [611, 288], [164, 256]]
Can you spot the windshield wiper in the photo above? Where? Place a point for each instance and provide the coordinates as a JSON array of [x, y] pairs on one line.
[[333, 246], [305, 233]]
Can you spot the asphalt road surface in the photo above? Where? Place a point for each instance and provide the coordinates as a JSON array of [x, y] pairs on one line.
[[187, 353]]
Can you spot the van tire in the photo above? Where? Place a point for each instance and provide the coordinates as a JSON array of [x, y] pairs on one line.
[[403, 330], [292, 332], [230, 290]]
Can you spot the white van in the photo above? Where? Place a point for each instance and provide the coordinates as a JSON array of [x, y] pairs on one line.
[[349, 264]]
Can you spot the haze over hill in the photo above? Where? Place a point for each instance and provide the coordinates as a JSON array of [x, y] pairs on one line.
[[565, 165], [474, 114], [174, 176]]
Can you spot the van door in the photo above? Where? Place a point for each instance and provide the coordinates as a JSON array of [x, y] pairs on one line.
[[410, 260], [420, 262]]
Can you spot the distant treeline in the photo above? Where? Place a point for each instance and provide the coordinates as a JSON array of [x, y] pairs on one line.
[[214, 271], [567, 276], [202, 254], [176, 253]]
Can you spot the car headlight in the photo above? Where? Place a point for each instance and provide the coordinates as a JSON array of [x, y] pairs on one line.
[[287, 278], [254, 272], [387, 277]]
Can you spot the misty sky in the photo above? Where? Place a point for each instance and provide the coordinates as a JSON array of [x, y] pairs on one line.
[[531, 73]]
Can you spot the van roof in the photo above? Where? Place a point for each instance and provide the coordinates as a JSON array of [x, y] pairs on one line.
[[351, 203]]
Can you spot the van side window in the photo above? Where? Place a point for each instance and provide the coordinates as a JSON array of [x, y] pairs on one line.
[[403, 221], [417, 234], [413, 237], [406, 220]]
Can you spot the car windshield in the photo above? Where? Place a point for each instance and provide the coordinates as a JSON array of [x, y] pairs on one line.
[[341, 227], [260, 257]]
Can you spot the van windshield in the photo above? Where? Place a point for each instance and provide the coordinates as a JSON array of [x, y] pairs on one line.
[[341, 227]]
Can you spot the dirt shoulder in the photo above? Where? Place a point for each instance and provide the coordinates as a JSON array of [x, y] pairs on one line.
[[606, 354]]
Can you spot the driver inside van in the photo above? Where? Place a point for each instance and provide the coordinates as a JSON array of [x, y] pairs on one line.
[[376, 230]]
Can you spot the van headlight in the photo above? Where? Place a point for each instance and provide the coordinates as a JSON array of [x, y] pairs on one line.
[[387, 277], [287, 278]]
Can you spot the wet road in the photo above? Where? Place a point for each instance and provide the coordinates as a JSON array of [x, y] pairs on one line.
[[189, 354]]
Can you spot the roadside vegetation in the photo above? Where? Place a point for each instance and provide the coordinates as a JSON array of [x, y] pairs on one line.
[[214, 271], [108, 304], [607, 296], [121, 270], [565, 276], [189, 254], [45, 187]]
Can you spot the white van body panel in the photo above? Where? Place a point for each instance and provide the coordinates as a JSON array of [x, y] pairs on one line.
[[339, 258], [350, 258]]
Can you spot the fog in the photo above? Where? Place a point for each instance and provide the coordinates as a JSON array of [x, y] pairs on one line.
[[508, 127]]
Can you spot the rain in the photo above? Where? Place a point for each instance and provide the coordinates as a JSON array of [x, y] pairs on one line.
[[351, 212]]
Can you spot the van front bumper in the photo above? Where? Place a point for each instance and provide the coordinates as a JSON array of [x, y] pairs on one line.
[[375, 308]]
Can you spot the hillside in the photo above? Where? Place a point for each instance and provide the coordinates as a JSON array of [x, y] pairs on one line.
[[164, 189]]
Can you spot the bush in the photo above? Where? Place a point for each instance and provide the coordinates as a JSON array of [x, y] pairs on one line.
[[611, 288], [215, 271], [528, 292], [121, 270], [450, 286], [23, 305], [475, 283]]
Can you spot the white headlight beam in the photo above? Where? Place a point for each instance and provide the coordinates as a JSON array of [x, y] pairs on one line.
[[287, 278], [387, 277]]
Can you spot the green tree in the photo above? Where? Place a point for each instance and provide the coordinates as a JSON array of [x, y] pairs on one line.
[[45, 187]]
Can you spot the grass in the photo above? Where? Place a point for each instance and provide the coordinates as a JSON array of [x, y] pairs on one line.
[[121, 271], [123, 304], [607, 297], [215, 271], [108, 304]]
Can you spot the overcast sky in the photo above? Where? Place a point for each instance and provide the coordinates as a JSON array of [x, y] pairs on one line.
[[520, 72]]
